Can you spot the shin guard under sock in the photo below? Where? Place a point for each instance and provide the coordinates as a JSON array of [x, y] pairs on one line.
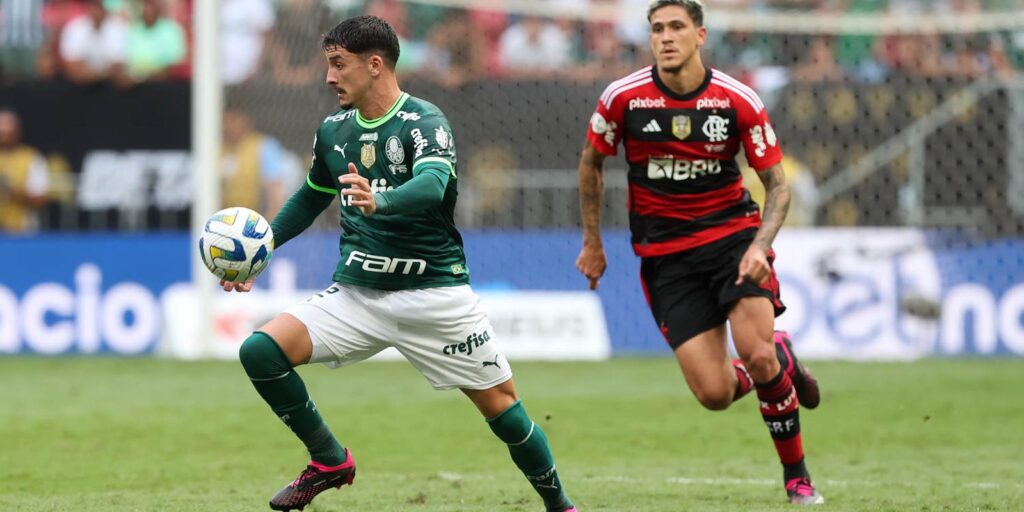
[[529, 448], [781, 412], [274, 379]]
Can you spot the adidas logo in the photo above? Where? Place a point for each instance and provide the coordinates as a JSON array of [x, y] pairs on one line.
[[652, 127]]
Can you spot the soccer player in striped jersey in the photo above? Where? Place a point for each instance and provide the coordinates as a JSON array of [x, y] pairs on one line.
[[705, 249], [402, 279]]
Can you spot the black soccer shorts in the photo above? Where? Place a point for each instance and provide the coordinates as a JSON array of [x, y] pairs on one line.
[[692, 291]]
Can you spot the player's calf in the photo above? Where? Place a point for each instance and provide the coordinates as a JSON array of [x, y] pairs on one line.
[[528, 446], [806, 385], [313, 480]]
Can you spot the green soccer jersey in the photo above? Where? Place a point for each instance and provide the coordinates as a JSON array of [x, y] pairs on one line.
[[399, 251]]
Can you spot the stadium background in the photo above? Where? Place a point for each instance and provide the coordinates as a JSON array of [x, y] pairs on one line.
[[901, 121], [898, 119]]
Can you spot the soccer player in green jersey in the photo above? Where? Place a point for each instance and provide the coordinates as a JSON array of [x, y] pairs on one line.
[[402, 279]]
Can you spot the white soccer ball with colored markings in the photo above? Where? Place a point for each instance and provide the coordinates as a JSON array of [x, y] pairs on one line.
[[236, 244]]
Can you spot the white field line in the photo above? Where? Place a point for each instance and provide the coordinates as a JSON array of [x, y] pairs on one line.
[[682, 480]]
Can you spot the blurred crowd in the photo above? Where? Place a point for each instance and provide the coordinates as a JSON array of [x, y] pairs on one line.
[[273, 66], [132, 41]]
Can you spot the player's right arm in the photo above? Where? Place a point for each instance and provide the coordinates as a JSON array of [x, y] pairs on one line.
[[603, 136], [312, 198], [301, 209], [591, 261]]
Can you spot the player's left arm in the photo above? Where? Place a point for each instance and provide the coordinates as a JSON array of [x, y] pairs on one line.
[[765, 156], [424, 190], [432, 151], [754, 265], [776, 205]]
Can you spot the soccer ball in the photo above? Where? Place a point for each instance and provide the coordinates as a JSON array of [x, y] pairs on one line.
[[236, 244]]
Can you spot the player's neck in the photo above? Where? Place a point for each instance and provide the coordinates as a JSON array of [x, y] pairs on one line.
[[686, 79], [379, 100]]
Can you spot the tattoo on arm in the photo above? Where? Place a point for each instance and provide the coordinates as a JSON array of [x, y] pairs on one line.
[[776, 205], [591, 171]]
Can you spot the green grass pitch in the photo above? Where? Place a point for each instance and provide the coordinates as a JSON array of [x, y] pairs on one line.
[[152, 435]]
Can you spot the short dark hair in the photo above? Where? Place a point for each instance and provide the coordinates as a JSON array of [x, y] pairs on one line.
[[693, 7], [361, 34]]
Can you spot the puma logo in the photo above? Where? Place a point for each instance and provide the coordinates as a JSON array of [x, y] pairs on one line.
[[539, 480], [552, 486], [492, 363], [341, 149]]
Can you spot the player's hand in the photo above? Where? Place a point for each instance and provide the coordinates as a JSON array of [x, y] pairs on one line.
[[238, 287], [592, 263], [358, 190], [754, 266]]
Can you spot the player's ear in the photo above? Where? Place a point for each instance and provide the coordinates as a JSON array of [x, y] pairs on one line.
[[376, 65], [702, 35]]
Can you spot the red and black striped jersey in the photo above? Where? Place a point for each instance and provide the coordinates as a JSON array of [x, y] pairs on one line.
[[685, 188]]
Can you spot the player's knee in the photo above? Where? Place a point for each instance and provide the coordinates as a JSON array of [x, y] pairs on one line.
[[261, 357], [714, 400], [762, 363], [512, 425]]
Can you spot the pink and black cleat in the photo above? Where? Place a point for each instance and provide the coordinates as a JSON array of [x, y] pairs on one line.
[[806, 385], [313, 480], [802, 492]]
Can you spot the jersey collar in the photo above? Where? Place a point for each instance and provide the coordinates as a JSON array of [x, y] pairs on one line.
[[373, 123], [681, 97]]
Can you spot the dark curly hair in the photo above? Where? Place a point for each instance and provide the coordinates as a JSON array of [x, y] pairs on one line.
[[362, 34]]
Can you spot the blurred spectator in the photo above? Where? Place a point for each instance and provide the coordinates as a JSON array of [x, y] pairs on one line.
[[424, 17], [973, 54], [56, 15], [1008, 50], [21, 35], [116, 7], [605, 58], [819, 65], [155, 43], [23, 178], [632, 27], [534, 47], [92, 46], [254, 166], [855, 52], [455, 51], [293, 48], [736, 52], [491, 25], [913, 55], [969, 55], [397, 15], [245, 25], [394, 12]]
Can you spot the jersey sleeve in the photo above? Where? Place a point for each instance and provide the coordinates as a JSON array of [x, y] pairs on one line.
[[605, 130], [759, 141], [432, 145], [319, 177]]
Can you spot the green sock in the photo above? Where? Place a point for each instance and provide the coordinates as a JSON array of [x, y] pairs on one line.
[[528, 446], [274, 379]]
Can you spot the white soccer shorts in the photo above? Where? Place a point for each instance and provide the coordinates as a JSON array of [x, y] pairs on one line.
[[441, 331]]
